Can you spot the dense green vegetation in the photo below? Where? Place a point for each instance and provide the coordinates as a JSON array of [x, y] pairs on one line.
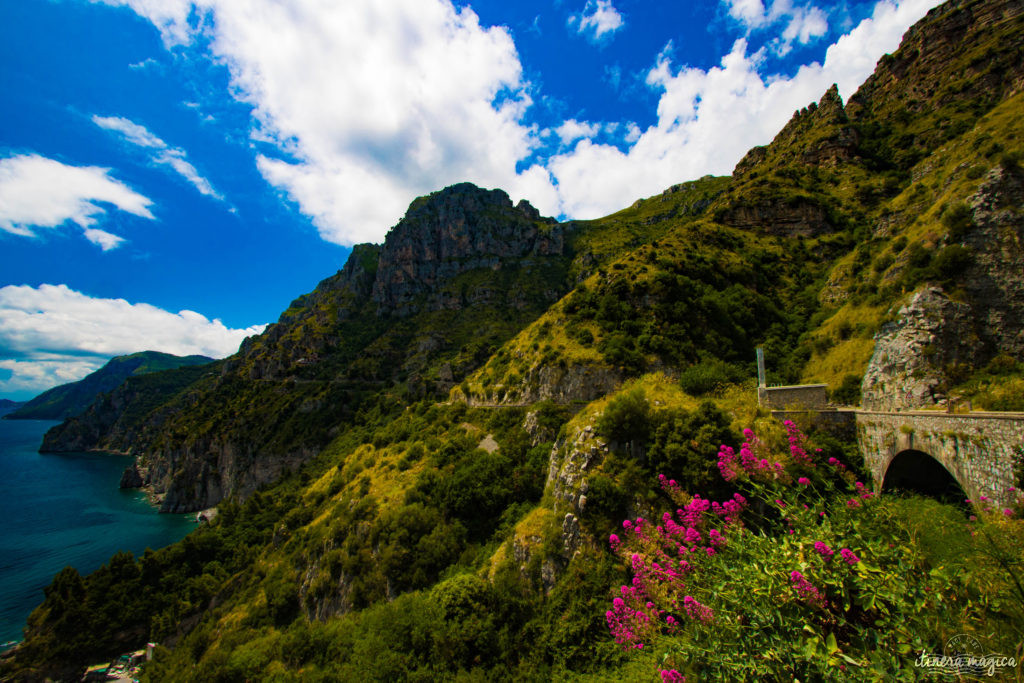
[[810, 576]]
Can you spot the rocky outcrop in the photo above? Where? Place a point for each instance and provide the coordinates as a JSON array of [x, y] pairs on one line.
[[954, 63], [816, 136], [908, 367], [202, 474], [456, 230], [572, 457], [785, 217], [281, 398], [133, 477], [566, 385], [996, 242]]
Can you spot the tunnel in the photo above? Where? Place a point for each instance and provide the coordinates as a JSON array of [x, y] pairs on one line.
[[917, 472]]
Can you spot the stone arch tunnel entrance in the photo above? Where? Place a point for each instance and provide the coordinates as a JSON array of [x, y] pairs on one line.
[[913, 471]]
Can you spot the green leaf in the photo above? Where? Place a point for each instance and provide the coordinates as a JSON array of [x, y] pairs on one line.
[[830, 643]]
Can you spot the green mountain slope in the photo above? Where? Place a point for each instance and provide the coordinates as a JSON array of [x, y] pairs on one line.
[[399, 536], [111, 417], [7, 405], [71, 399]]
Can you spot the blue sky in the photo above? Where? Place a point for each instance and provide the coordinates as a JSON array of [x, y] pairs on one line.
[[174, 172]]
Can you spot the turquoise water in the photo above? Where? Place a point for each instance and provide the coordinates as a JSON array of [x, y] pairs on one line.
[[59, 510]]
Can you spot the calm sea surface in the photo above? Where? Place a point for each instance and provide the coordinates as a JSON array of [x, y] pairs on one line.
[[59, 510]]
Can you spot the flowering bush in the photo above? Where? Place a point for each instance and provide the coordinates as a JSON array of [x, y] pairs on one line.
[[751, 587]]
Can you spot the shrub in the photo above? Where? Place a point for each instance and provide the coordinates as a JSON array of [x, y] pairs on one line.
[[707, 376], [848, 393], [806, 576], [627, 419]]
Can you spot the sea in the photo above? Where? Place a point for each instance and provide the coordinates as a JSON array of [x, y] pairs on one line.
[[66, 509]]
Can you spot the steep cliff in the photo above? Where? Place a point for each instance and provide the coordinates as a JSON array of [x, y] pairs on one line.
[[462, 272]]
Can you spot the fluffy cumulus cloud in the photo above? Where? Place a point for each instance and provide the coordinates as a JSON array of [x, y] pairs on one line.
[[598, 20], [41, 193], [707, 120], [803, 23], [160, 152], [52, 334], [573, 130], [370, 104]]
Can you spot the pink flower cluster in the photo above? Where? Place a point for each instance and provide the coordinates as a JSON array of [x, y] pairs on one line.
[[699, 528], [670, 486], [672, 676], [849, 557], [823, 550], [796, 443], [697, 611], [749, 461], [862, 494], [807, 592], [623, 621]]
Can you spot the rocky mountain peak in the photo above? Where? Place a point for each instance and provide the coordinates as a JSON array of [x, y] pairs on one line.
[[458, 229]]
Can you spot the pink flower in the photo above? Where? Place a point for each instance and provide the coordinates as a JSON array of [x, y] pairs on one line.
[[824, 550], [613, 541], [672, 676], [803, 481], [849, 557], [806, 590], [697, 611], [1008, 512]]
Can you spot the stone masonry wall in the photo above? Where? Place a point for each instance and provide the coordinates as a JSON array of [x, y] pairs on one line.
[[803, 396], [978, 449]]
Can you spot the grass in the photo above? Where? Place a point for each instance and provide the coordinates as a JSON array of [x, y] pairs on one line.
[[846, 342]]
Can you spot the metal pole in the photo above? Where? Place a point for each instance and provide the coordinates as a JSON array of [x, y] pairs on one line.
[[760, 367]]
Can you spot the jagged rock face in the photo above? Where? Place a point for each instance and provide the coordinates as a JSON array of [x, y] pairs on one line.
[[200, 475], [572, 458], [329, 344], [278, 351], [997, 245], [555, 383], [907, 368], [835, 141], [781, 217], [458, 229]]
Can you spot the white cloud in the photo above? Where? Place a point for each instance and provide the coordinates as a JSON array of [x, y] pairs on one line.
[[37, 192], [803, 23], [101, 238], [372, 104], [162, 154], [52, 334], [573, 130], [707, 120], [598, 19], [749, 12]]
